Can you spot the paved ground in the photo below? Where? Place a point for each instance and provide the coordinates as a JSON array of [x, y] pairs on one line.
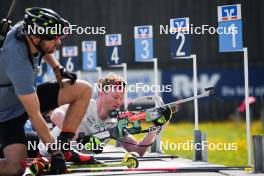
[[189, 167], [151, 161]]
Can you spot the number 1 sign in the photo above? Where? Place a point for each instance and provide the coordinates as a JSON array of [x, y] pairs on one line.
[[229, 20]]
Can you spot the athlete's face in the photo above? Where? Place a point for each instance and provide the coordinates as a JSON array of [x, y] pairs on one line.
[[49, 46], [112, 100]]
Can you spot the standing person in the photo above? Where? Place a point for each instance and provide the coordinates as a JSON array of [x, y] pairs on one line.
[[20, 99]]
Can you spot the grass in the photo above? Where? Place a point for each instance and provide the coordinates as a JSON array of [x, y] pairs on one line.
[[231, 134]]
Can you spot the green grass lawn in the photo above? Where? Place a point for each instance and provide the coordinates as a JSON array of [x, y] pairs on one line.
[[217, 132]]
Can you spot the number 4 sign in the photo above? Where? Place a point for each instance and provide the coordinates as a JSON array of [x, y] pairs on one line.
[[113, 44], [229, 20]]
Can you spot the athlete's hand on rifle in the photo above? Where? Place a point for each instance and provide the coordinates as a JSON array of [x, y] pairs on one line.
[[61, 73], [91, 143], [175, 108], [164, 116]]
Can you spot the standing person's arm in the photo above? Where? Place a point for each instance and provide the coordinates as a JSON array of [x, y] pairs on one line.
[[20, 74], [51, 60], [60, 72]]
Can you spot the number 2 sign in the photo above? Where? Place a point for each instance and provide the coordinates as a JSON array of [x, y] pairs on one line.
[[180, 39]]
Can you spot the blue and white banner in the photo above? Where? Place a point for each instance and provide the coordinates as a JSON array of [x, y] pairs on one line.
[[89, 61], [113, 43], [229, 84], [180, 37], [230, 20], [70, 58], [143, 43]]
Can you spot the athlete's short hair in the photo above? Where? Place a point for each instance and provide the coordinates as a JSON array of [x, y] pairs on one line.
[[111, 79]]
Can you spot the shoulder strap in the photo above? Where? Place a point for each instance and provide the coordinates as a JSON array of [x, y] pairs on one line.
[[6, 85], [20, 35]]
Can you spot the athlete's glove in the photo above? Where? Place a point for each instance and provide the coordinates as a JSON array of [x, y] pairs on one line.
[[164, 116], [61, 73], [58, 165], [91, 143], [40, 166]]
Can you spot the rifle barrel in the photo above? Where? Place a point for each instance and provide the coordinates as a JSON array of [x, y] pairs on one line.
[[11, 9], [208, 92]]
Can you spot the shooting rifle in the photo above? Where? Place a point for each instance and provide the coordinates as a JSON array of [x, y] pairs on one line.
[[5, 24], [129, 121]]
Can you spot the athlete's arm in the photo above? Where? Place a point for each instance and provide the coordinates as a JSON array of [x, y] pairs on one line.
[[131, 144], [20, 74], [51, 60]]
